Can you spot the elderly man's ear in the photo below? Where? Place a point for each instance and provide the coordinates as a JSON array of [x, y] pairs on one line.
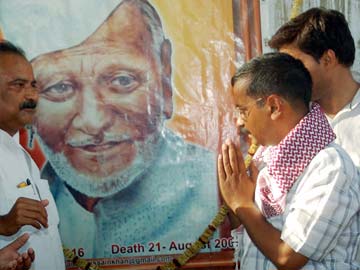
[[166, 77]]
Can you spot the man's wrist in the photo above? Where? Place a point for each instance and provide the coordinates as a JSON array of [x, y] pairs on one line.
[[243, 211], [2, 226]]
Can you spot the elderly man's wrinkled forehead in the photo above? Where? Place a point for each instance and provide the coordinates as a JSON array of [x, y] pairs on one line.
[[124, 32]]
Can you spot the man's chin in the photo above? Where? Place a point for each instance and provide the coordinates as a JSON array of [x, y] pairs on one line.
[[27, 120], [95, 174], [99, 189], [96, 185]]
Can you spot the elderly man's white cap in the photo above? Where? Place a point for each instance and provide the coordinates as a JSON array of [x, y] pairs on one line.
[[42, 26]]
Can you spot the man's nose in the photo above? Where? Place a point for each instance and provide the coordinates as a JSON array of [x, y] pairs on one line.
[[93, 116], [240, 122], [32, 93], [239, 125]]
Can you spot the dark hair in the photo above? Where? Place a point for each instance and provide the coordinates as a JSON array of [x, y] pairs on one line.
[[316, 31], [8, 47], [276, 73]]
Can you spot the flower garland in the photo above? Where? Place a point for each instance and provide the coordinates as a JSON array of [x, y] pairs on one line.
[[81, 263], [209, 231]]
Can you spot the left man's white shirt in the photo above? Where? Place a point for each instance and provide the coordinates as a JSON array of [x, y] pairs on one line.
[[17, 166]]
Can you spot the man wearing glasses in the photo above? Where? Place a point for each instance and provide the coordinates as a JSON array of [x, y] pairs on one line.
[[300, 210]]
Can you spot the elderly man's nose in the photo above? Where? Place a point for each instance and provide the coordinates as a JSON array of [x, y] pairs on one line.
[[93, 117]]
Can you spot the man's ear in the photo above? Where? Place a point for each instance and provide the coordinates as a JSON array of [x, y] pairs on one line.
[[275, 106], [329, 59], [165, 58]]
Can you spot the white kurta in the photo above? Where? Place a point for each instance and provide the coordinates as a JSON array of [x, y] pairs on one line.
[[17, 166], [346, 125]]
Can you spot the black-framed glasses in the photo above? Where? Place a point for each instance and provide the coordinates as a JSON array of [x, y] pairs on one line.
[[244, 111]]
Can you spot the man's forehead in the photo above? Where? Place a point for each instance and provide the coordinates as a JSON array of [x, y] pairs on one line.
[[239, 92], [12, 62], [100, 48], [240, 87], [291, 49]]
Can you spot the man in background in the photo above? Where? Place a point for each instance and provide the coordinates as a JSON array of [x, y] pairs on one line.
[[119, 176], [27, 205], [322, 40]]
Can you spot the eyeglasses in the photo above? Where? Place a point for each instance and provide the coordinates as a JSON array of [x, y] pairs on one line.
[[244, 111]]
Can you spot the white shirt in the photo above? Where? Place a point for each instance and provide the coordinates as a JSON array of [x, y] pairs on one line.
[[346, 125], [321, 219], [17, 166]]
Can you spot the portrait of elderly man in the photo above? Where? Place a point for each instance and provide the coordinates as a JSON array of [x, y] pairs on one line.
[[119, 176]]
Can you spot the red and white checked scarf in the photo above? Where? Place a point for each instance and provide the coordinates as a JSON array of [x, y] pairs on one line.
[[291, 156]]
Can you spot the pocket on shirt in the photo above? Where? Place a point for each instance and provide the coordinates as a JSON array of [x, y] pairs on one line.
[[27, 192], [13, 193], [45, 193]]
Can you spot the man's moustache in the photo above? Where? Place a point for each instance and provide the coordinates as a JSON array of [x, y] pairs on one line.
[[107, 138], [29, 104]]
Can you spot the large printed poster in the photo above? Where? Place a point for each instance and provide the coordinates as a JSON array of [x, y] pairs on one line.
[[134, 103]]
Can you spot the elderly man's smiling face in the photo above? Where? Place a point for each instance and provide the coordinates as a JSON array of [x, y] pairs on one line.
[[102, 104]]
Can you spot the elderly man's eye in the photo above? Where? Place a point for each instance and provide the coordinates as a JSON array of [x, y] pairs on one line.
[[59, 92], [124, 82]]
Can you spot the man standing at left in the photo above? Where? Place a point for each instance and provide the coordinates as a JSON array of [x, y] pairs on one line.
[[27, 205]]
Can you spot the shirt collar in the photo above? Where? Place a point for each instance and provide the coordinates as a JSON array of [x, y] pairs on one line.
[[355, 101], [5, 138], [348, 107]]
